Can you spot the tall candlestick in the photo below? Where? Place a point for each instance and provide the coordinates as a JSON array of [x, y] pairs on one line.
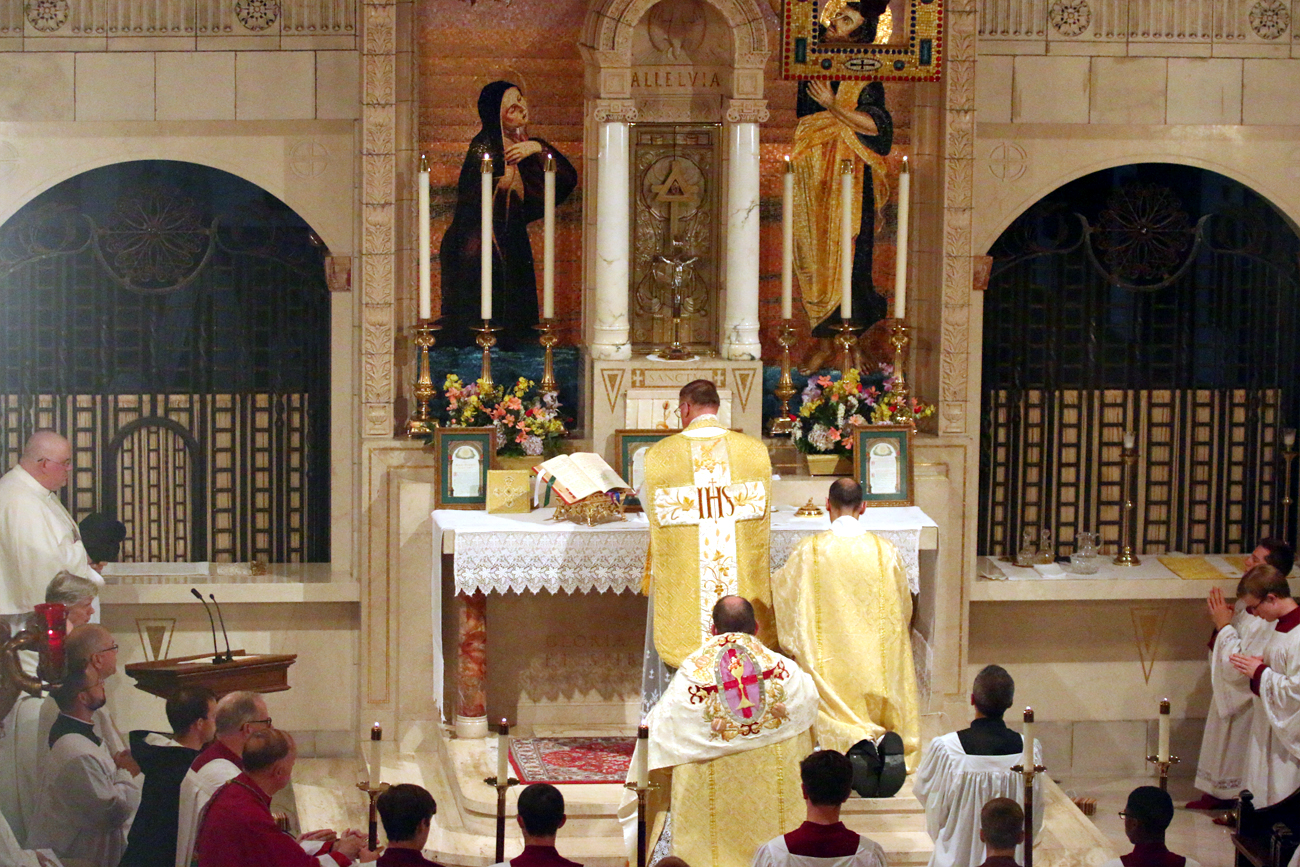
[[548, 240], [376, 754], [485, 242], [900, 263], [503, 753], [1027, 758], [426, 293], [642, 757], [787, 241], [1162, 732], [846, 240]]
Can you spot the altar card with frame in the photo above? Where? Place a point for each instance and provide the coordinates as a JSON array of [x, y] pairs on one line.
[[630, 446], [831, 41], [882, 464], [464, 456]]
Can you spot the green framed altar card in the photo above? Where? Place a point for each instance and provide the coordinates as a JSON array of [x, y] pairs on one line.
[[882, 464], [832, 40], [464, 456]]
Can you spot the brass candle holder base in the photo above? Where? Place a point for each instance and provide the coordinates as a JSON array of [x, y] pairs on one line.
[[487, 338], [845, 336], [1126, 557], [373, 792], [898, 338], [1028, 806], [421, 423], [1162, 768], [548, 340], [501, 812], [783, 425], [642, 793]]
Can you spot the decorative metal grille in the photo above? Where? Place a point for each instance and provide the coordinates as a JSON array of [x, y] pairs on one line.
[[173, 322], [1112, 310]]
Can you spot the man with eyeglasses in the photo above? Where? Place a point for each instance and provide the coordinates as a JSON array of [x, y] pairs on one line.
[[38, 537]]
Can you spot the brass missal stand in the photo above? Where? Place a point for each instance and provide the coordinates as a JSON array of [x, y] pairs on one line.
[[783, 425], [421, 423]]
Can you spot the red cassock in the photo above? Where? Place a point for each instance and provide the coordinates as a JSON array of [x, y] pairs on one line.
[[238, 830]]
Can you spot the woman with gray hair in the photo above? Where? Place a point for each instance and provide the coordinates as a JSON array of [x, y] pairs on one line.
[[77, 594]]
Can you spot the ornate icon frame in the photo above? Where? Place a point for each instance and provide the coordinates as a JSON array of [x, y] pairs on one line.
[[444, 440], [900, 436], [807, 56]]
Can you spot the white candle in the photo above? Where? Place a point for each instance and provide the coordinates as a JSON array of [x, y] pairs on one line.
[[1130, 440], [426, 295], [846, 240], [485, 242], [1027, 758], [787, 242], [548, 240], [1288, 437], [643, 756], [1162, 732], [375, 757], [900, 262], [503, 753]]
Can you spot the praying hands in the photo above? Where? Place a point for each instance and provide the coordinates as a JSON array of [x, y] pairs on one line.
[[1219, 609], [1247, 665]]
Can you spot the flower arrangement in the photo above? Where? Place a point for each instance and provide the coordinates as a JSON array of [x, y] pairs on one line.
[[527, 420], [831, 409]]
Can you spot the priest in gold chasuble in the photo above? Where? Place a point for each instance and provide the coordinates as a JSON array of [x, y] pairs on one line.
[[732, 727], [843, 610], [707, 499]]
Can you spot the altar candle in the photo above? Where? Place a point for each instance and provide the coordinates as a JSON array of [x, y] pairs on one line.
[[426, 294], [787, 241], [1027, 758], [642, 756], [485, 241], [1130, 440], [503, 753], [548, 240], [900, 262], [1288, 437], [1162, 732], [376, 754], [846, 240]]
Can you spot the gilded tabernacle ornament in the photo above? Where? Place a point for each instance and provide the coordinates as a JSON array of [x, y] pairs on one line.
[[862, 40]]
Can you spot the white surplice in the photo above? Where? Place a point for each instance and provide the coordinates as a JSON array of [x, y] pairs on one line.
[[86, 803], [197, 788], [953, 787], [12, 855], [774, 853], [1272, 768], [38, 539], [1227, 721]]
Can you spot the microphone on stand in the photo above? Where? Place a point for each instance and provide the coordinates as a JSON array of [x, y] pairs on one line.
[[218, 658], [230, 657]]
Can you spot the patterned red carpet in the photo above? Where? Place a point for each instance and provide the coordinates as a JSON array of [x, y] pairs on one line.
[[571, 760]]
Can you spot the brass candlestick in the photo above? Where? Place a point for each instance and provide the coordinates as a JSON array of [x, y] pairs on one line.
[[421, 424], [1288, 456], [1028, 805], [1163, 769], [548, 341], [642, 793], [373, 792], [903, 413], [487, 338], [783, 425], [845, 335], [1126, 557], [501, 813]]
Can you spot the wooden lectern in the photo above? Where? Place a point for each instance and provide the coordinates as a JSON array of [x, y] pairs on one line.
[[257, 673]]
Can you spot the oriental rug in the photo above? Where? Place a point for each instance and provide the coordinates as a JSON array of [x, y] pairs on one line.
[[571, 760]]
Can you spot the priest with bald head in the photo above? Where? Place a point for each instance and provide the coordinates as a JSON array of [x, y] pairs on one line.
[[38, 537]]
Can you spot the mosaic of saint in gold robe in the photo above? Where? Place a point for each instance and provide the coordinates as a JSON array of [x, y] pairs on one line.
[[707, 499], [843, 609]]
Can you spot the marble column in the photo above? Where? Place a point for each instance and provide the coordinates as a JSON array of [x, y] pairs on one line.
[[740, 323], [610, 334], [471, 666]]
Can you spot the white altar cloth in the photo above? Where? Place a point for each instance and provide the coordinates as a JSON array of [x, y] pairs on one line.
[[517, 553]]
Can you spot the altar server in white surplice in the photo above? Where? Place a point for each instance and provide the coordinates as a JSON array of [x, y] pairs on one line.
[[1227, 722], [1273, 758], [964, 770]]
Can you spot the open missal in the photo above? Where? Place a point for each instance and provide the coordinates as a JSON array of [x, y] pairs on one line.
[[575, 477]]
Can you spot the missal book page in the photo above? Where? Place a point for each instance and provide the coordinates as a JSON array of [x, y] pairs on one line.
[[600, 472]]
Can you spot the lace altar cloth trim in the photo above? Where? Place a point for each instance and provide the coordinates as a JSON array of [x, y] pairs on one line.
[[582, 560]]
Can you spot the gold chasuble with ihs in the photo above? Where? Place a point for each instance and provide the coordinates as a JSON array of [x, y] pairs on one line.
[[707, 495]]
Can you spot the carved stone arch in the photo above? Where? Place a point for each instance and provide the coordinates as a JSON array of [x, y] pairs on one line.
[[607, 43]]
